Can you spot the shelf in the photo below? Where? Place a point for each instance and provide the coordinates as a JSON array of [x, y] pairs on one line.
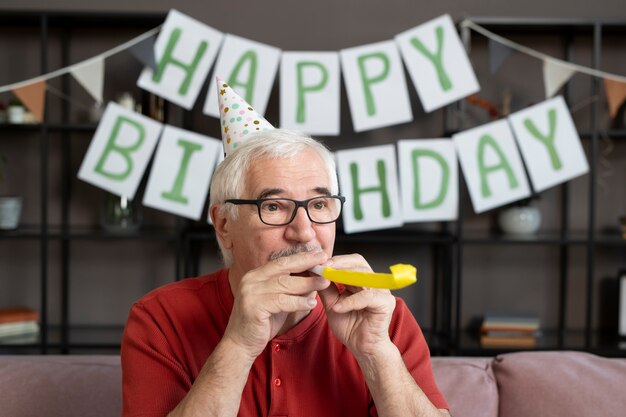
[[80, 337], [22, 232], [51, 127], [544, 238], [85, 19], [601, 344], [613, 238], [386, 236], [90, 233], [612, 133], [144, 233], [396, 236]]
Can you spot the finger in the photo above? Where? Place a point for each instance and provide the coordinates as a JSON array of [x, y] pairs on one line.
[[373, 300], [329, 296], [298, 262], [352, 262], [297, 285], [285, 303]]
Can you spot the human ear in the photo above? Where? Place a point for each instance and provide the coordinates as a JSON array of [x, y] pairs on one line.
[[221, 223]]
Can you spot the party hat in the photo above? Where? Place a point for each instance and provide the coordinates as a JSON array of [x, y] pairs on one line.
[[238, 119]]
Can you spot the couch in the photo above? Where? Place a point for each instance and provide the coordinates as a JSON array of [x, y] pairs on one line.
[[532, 384]]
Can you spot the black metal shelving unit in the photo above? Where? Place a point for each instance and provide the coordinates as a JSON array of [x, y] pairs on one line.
[[464, 341], [445, 332], [60, 338]]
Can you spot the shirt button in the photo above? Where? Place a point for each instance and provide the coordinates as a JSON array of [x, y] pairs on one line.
[[278, 382], [276, 347]]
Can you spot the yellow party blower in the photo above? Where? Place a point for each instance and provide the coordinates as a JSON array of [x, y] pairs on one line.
[[402, 275]]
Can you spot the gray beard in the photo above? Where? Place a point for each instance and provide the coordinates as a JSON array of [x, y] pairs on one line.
[[293, 250]]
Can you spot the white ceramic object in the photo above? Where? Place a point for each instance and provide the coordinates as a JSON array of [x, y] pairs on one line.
[[10, 212], [16, 114], [523, 220]]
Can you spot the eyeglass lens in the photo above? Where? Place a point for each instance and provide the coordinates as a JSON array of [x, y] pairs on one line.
[[280, 211]]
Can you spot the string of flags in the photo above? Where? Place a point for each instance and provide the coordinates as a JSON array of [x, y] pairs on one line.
[[556, 72], [89, 73], [386, 186]]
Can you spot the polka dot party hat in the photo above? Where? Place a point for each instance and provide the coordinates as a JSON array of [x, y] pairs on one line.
[[238, 119]]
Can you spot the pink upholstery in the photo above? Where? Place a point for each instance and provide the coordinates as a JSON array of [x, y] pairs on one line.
[[560, 384], [468, 384], [530, 384], [60, 386]]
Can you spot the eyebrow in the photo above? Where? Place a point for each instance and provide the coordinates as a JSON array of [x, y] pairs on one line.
[[269, 192], [277, 191]]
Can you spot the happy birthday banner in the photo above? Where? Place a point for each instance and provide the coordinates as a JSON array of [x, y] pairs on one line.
[[386, 186]]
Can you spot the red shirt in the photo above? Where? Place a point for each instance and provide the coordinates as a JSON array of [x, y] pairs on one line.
[[171, 332]]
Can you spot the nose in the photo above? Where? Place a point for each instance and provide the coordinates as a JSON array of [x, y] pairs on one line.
[[301, 228]]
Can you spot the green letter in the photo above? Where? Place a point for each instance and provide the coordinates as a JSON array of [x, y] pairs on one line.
[[382, 188], [249, 84], [445, 175], [189, 69], [123, 151], [487, 140], [302, 89], [445, 82], [176, 193], [548, 141], [369, 100]]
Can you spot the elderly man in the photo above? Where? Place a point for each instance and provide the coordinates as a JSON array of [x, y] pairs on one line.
[[265, 337]]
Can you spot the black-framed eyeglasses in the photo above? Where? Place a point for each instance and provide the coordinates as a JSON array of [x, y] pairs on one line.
[[282, 211]]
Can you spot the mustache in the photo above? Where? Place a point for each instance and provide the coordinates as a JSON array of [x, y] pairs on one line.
[[295, 249]]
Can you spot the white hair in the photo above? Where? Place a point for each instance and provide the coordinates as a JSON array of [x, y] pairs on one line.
[[228, 181]]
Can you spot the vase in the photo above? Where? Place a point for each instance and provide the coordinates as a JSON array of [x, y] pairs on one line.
[[120, 214], [10, 212], [16, 114], [523, 220]]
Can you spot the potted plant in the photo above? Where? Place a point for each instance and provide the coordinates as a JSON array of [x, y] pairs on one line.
[[10, 206], [16, 111], [520, 218]]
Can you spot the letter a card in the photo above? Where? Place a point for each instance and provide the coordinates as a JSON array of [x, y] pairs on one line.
[[491, 165]]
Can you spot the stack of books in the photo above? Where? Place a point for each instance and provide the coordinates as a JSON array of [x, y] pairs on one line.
[[509, 330], [18, 325]]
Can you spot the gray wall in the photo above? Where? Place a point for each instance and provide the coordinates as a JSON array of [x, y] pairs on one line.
[[494, 277]]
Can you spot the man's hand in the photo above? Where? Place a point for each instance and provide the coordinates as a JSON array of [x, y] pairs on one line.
[[265, 297], [359, 317]]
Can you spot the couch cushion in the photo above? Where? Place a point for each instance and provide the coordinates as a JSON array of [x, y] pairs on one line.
[[468, 385], [63, 386], [557, 384]]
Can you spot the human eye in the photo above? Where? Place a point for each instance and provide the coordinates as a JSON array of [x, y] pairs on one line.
[[318, 204], [274, 206]]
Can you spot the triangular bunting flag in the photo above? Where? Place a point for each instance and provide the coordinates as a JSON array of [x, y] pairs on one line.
[[555, 74], [33, 96], [615, 95], [91, 76], [498, 54], [144, 52]]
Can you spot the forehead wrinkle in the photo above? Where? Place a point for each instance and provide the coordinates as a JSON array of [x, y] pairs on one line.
[[269, 177]]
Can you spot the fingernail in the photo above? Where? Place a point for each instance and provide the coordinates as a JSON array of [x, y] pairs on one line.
[[328, 262], [312, 302]]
